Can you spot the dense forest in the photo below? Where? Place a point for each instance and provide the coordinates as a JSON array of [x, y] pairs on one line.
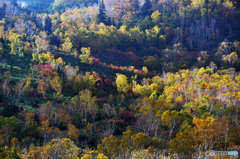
[[119, 79]]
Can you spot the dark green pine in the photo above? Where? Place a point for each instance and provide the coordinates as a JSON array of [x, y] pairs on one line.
[[102, 17], [147, 8], [3, 11], [48, 25]]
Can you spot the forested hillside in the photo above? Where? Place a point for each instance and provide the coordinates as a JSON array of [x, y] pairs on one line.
[[119, 79]]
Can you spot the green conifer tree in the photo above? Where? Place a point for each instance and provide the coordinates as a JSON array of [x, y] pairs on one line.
[[102, 17], [3, 11], [136, 6], [147, 8], [48, 25]]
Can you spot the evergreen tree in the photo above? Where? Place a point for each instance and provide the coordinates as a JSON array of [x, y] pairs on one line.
[[14, 3], [102, 17], [3, 11], [136, 5], [147, 8], [33, 18], [48, 25]]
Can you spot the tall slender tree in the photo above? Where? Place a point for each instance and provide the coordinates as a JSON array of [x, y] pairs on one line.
[[48, 25], [3, 10], [147, 8], [136, 6], [102, 17]]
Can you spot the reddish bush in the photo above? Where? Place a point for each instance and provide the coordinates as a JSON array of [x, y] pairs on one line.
[[102, 82], [143, 74], [46, 67], [130, 90], [39, 119], [34, 93], [127, 115], [167, 133], [130, 55], [96, 75], [100, 85], [102, 99], [56, 55], [96, 60], [108, 82]]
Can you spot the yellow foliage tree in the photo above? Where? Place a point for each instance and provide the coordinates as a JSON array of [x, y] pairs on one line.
[[73, 132], [67, 45], [122, 83]]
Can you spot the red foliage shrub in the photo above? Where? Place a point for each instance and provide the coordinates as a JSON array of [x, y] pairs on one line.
[[101, 99], [143, 74], [96, 60], [102, 82], [115, 67], [96, 75], [46, 67], [39, 119], [56, 55], [167, 133], [130, 90], [127, 115], [100, 85], [34, 93], [130, 55], [107, 82]]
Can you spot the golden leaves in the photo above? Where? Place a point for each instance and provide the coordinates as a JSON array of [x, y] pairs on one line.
[[73, 132]]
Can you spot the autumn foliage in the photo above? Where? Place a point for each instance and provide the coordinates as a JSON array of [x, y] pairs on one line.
[[114, 79]]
